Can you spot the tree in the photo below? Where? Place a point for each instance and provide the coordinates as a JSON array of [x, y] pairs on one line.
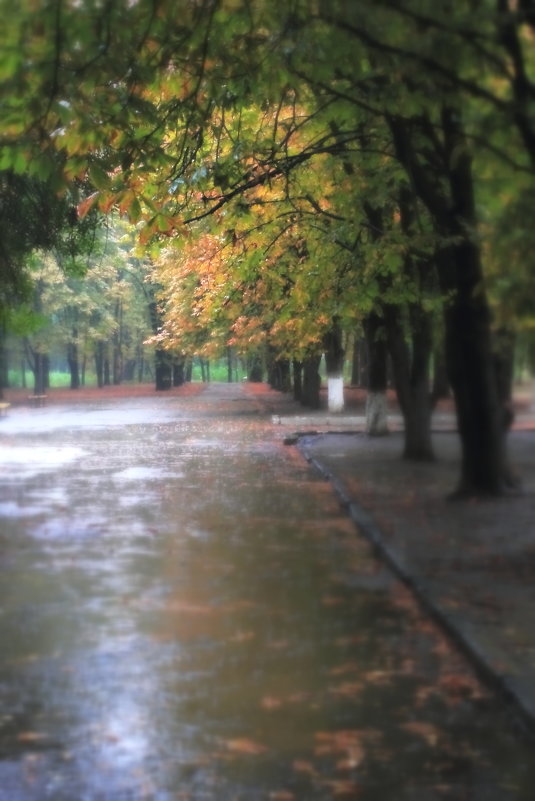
[[98, 308], [172, 134]]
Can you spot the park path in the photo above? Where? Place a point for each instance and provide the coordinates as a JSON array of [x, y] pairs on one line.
[[186, 614]]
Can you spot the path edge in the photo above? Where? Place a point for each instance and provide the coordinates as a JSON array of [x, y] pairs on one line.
[[523, 717]]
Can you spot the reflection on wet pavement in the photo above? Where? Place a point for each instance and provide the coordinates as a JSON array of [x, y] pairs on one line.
[[186, 615]]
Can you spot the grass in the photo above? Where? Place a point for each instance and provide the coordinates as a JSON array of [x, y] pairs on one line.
[[57, 379]]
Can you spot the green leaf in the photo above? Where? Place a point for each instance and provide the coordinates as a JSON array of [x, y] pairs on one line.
[[99, 177]]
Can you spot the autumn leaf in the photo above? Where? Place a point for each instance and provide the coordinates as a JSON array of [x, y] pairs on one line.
[[341, 788], [270, 702], [331, 600], [346, 742], [422, 729], [348, 667], [30, 737], [242, 636], [459, 686], [85, 206], [245, 746], [302, 766], [347, 688]]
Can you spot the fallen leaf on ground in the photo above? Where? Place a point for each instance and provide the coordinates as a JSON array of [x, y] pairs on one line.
[[278, 644], [339, 789], [30, 736], [331, 600], [346, 742], [302, 766], [298, 698], [242, 636], [242, 745], [379, 676], [460, 686], [426, 731], [348, 667], [270, 702], [355, 755], [347, 689]]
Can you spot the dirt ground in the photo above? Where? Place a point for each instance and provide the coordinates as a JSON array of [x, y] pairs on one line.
[[355, 397]]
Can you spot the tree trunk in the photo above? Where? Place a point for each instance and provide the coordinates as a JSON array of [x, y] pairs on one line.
[[358, 363], [38, 362], [73, 362], [449, 197], [410, 344], [117, 365], [141, 363], [40, 373], [310, 395], [46, 360], [284, 375], [255, 370], [441, 384], [334, 360], [188, 369], [229, 365], [411, 376], [106, 368], [162, 370], [178, 371], [469, 357], [504, 361], [279, 374], [484, 469], [4, 372], [376, 401], [297, 372], [99, 363]]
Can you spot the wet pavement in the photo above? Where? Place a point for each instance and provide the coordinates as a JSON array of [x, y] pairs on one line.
[[473, 563], [187, 614]]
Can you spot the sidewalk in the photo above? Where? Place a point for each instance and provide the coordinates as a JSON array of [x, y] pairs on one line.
[[471, 564]]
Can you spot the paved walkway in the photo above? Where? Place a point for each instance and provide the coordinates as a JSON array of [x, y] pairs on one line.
[[472, 564], [187, 614]]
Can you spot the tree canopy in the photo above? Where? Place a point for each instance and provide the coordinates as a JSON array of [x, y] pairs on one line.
[[290, 165]]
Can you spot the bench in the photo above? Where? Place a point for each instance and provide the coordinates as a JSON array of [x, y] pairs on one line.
[[37, 400], [3, 408]]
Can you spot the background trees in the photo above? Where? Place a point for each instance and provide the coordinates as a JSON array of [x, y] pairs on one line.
[[91, 314]]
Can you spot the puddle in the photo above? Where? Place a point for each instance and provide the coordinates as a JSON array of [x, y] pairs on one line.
[[38, 457], [13, 509], [58, 529], [139, 473]]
